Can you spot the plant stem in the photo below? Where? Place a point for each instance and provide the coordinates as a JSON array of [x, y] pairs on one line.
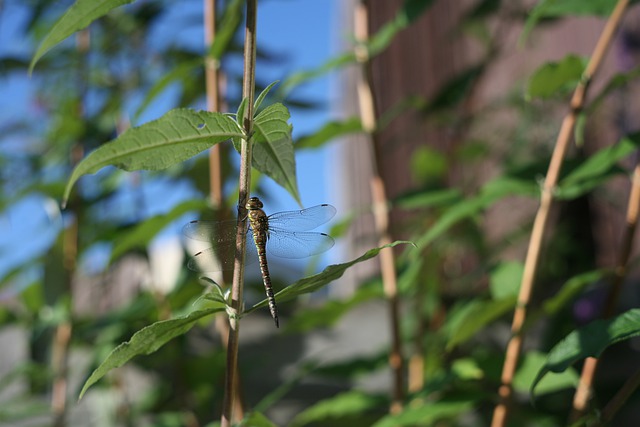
[[59, 362], [583, 390], [212, 81], [248, 89], [213, 85], [64, 331], [380, 207], [542, 216]]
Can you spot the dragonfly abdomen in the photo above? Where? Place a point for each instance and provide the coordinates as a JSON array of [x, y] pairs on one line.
[[266, 278], [260, 225]]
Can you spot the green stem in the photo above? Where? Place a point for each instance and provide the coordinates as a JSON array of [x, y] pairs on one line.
[[248, 90]]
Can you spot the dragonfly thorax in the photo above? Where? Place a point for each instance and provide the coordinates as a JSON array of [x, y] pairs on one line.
[[259, 222], [258, 219]]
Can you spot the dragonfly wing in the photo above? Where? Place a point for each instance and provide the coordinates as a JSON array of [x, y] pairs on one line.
[[304, 220], [288, 238], [221, 257], [214, 232], [295, 245], [222, 237], [213, 259]]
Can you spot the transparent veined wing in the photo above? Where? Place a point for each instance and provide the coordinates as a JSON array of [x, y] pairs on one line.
[[287, 238], [303, 220], [297, 244], [222, 237], [215, 232]]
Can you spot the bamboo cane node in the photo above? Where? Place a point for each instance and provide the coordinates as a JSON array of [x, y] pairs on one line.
[[576, 109], [213, 63], [361, 53], [548, 190]]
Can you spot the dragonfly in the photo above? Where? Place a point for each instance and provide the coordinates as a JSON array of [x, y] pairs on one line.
[[283, 234]]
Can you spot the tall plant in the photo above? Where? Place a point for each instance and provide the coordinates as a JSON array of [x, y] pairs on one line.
[[262, 137], [453, 331]]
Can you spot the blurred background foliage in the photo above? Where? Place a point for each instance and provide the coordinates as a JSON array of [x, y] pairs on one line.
[[464, 158]]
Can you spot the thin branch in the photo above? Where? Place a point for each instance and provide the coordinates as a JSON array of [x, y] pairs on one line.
[[213, 84], [380, 205], [63, 332], [212, 81], [583, 390], [514, 347], [248, 90]]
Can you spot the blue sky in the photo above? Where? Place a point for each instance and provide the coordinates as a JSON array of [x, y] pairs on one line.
[[300, 30]]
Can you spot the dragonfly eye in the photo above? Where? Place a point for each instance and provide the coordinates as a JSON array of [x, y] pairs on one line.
[[254, 203]]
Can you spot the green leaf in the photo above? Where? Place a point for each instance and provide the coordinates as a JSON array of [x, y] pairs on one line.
[[428, 413], [140, 236], [428, 164], [555, 8], [273, 148], [256, 419], [173, 138], [468, 208], [558, 8], [317, 281], [55, 281], [596, 169], [77, 17], [531, 363], [329, 131], [216, 295], [342, 226], [427, 199], [462, 210], [467, 369], [554, 77], [455, 90], [505, 279], [579, 129], [147, 341], [589, 341], [465, 209], [483, 9], [22, 409], [239, 117], [410, 11], [263, 95], [342, 405], [474, 316], [32, 297], [300, 77], [510, 186]]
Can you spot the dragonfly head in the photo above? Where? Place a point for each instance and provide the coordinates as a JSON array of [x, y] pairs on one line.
[[254, 203]]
